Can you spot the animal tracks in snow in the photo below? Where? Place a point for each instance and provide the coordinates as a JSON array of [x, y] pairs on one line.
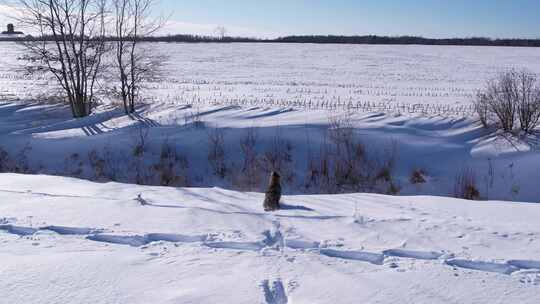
[[373, 258], [248, 246], [275, 239], [419, 255], [274, 293], [483, 266], [141, 240], [21, 231], [71, 230], [525, 264], [131, 240]]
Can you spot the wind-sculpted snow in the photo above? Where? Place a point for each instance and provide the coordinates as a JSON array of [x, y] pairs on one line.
[[131, 240], [275, 293], [301, 244], [22, 231], [140, 240], [483, 266], [249, 246], [72, 230], [420, 255], [272, 239], [87, 242], [100, 148], [525, 264], [373, 258]]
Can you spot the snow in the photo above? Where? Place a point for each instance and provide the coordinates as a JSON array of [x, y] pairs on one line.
[[70, 240], [66, 240], [382, 77], [442, 147], [416, 97]]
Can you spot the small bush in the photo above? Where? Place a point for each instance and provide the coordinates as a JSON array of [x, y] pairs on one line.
[[6, 163], [216, 152], [385, 170], [139, 149], [97, 163], [73, 165], [344, 164], [278, 158], [249, 177], [465, 185], [418, 176], [17, 164], [510, 98], [347, 157], [171, 168]]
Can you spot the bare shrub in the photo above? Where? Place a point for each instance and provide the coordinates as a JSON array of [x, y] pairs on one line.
[[529, 101], [73, 165], [347, 156], [418, 176], [344, 164], [513, 96], [501, 99], [481, 107], [107, 165], [312, 174], [18, 163], [278, 158], [324, 174], [249, 177], [6, 163], [340, 165], [216, 152], [138, 152], [385, 170], [465, 185], [97, 163], [115, 163], [172, 167]]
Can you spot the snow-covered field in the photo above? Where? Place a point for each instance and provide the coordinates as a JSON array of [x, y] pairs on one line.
[[46, 140], [69, 241], [431, 79], [418, 98]]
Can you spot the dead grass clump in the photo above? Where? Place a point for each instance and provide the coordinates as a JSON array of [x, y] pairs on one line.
[[465, 185], [418, 176]]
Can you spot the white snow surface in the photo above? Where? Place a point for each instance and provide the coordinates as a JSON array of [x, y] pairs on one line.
[[505, 168], [419, 97], [437, 79], [65, 240]]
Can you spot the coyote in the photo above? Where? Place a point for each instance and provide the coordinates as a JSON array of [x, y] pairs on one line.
[[273, 194]]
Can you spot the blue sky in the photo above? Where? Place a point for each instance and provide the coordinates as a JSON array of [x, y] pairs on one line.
[[429, 18]]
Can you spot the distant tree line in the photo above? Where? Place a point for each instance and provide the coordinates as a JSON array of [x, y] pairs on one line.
[[321, 39], [474, 41]]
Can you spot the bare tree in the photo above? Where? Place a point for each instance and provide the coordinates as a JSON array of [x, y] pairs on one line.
[[70, 45], [216, 152], [221, 32], [133, 21], [528, 101], [513, 96]]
